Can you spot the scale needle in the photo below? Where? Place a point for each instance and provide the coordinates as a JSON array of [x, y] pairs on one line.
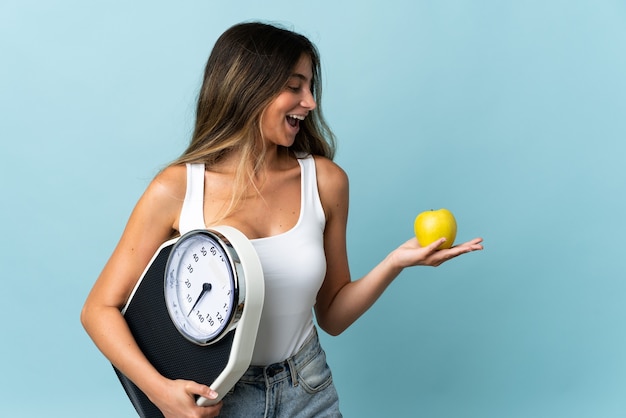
[[205, 288]]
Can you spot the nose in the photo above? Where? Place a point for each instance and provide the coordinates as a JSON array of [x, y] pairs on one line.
[[308, 101]]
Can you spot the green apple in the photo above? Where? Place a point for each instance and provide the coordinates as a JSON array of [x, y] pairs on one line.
[[432, 225]]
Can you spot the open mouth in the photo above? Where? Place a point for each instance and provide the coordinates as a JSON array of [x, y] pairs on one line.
[[294, 120]]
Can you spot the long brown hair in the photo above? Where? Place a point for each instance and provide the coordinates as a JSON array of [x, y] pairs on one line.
[[249, 66]]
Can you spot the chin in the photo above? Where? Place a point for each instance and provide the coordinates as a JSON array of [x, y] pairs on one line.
[[286, 143]]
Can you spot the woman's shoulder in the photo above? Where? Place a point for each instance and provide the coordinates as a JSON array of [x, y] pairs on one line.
[[328, 170], [169, 183], [332, 184], [155, 215]]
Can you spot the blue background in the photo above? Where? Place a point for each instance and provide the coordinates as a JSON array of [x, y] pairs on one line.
[[509, 113]]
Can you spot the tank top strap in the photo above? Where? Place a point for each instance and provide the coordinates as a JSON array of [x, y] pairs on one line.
[[311, 204], [192, 212]]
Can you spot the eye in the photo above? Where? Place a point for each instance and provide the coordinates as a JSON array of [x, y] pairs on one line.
[[293, 88]]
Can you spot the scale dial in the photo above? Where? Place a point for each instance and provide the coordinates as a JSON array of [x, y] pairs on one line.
[[202, 292]]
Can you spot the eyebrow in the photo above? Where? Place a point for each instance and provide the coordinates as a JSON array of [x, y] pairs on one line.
[[299, 76]]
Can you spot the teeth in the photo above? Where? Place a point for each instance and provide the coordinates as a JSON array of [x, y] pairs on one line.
[[299, 117]]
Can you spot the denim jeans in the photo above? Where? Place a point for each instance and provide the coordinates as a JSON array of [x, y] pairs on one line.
[[299, 387]]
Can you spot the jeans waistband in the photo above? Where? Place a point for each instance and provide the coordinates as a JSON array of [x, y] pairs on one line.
[[288, 368]]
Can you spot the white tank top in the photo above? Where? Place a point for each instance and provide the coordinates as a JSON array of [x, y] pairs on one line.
[[294, 266]]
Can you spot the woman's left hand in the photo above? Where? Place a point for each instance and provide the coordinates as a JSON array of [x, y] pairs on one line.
[[412, 254]]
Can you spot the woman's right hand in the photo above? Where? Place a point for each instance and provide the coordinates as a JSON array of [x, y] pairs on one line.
[[178, 400]]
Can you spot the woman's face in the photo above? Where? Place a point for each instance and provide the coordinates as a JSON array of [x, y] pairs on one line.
[[280, 121]]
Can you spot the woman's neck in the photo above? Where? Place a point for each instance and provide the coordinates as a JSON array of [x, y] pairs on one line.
[[276, 158]]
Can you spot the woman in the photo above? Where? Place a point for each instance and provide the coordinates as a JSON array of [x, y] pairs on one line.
[[268, 171]]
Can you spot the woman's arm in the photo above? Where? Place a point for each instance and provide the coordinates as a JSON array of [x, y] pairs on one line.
[[153, 221], [340, 300]]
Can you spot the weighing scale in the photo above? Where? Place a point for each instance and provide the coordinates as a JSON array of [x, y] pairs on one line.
[[195, 311]]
